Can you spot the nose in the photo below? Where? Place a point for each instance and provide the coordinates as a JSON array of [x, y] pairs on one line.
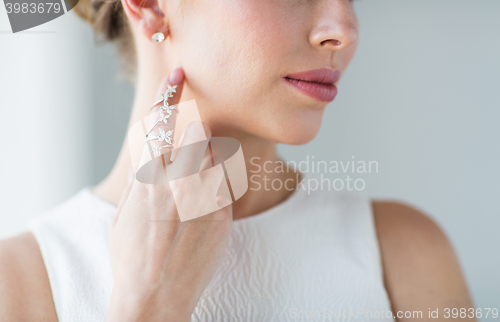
[[336, 27]]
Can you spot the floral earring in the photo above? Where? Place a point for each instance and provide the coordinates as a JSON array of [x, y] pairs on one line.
[[158, 37]]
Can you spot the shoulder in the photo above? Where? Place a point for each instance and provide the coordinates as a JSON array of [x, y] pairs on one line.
[[25, 293], [421, 270]]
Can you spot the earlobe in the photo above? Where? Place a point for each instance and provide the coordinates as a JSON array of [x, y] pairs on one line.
[[148, 18]]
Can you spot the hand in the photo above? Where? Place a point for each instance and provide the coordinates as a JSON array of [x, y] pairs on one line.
[[161, 265]]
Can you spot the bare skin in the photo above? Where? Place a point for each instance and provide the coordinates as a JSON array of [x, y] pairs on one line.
[[421, 270]]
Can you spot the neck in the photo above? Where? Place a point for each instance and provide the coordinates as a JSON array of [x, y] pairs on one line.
[[254, 148]]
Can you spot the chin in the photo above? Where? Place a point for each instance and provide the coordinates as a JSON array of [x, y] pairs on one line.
[[299, 128], [297, 135]]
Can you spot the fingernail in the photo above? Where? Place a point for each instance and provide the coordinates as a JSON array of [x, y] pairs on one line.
[[192, 128], [176, 75]]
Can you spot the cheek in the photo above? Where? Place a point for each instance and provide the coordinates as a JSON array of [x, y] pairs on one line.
[[233, 52]]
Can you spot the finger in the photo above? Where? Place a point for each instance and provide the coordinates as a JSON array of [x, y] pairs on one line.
[[192, 149], [176, 78], [125, 194], [163, 111], [161, 125], [226, 211], [207, 162]]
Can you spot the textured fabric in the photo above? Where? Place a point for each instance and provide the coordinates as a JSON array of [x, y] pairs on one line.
[[314, 257]]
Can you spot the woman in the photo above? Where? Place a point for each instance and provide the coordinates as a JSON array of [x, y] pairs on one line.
[[262, 72]]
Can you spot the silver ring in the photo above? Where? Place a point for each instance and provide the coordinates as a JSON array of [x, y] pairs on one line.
[[157, 149], [164, 97], [164, 136], [163, 118]]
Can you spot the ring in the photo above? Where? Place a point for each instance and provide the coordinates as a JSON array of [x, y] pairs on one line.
[[164, 136], [163, 118], [164, 97], [157, 149]]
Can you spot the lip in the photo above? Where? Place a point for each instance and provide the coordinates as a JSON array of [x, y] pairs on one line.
[[318, 83]]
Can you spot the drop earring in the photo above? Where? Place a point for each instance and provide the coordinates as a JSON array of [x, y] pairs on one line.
[[158, 37]]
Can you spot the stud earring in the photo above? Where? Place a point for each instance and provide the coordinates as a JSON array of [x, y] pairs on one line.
[[158, 37]]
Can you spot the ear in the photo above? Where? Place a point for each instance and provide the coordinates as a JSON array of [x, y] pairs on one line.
[[147, 16]]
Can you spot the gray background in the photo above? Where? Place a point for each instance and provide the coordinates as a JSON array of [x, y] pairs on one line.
[[421, 97]]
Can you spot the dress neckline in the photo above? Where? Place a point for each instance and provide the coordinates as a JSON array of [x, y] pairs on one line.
[[258, 216]]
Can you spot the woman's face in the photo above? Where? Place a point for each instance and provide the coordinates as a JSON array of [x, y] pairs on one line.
[[236, 54]]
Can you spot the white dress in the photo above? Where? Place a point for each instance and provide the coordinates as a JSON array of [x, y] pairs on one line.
[[313, 257]]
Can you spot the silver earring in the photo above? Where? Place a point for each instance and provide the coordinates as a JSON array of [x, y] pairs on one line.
[[158, 37]]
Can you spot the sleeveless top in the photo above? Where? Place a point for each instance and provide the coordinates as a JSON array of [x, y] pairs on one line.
[[314, 256]]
